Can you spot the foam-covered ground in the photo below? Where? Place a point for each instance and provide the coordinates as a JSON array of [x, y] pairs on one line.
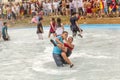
[[96, 56]]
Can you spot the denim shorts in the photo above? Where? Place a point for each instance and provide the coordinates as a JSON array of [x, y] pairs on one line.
[[58, 60]]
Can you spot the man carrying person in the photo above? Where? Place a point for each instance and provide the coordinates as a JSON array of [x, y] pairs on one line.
[[59, 51]]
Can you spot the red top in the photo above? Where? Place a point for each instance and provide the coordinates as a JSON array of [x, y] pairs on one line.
[[66, 45], [51, 29]]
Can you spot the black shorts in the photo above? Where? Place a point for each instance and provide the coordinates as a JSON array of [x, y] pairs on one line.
[[69, 52], [51, 32]]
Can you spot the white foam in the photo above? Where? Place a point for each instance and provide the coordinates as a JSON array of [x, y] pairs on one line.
[[85, 55], [73, 78], [38, 66]]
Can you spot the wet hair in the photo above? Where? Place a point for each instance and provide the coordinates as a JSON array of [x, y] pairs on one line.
[[4, 23], [71, 37], [53, 19], [59, 22], [40, 19], [65, 32], [73, 13]]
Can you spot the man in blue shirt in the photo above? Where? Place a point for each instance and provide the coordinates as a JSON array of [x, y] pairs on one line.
[[57, 51]]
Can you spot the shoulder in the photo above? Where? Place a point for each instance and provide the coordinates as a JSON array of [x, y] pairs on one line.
[[59, 37]]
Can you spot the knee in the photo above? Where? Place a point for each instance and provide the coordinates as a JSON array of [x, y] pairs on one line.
[[63, 54]]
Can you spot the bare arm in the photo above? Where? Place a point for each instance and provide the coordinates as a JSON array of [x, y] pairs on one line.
[[58, 41]]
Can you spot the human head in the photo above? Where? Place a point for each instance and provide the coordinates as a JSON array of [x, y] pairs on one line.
[[40, 19], [5, 23], [70, 39], [53, 19], [58, 20], [64, 34], [74, 13]]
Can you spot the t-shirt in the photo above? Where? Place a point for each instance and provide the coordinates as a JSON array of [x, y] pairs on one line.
[[56, 49], [59, 30], [55, 4], [4, 31]]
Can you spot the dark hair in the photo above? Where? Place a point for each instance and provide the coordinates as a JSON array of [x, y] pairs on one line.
[[53, 19], [40, 18], [73, 13], [4, 23], [59, 22], [71, 37], [65, 32]]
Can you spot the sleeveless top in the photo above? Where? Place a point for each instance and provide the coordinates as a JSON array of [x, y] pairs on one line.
[[51, 29], [66, 45]]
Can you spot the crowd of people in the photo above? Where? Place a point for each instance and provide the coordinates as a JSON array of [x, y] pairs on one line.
[[62, 43], [91, 8]]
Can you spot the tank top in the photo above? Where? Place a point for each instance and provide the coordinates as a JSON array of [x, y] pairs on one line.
[[66, 45], [51, 29]]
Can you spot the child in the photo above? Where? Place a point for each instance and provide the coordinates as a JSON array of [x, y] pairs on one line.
[[4, 32], [40, 29]]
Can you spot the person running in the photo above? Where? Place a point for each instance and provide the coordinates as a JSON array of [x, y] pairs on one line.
[[60, 27], [66, 50], [52, 27], [40, 29], [74, 27], [1, 25], [5, 32]]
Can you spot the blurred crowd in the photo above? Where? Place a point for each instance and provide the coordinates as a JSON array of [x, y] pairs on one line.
[[86, 8]]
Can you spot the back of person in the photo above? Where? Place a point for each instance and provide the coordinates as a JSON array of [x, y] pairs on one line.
[[59, 26], [59, 30]]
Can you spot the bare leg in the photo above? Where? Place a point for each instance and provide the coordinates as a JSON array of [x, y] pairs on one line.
[[49, 34], [63, 54], [40, 36]]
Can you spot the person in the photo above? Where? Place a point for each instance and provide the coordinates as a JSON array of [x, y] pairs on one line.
[[66, 50], [40, 29], [52, 27], [5, 35], [74, 27], [59, 27], [57, 51], [1, 25]]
